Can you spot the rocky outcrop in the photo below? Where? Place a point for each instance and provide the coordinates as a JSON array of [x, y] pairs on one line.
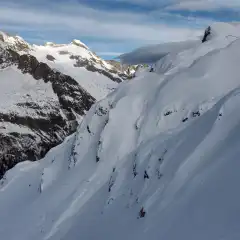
[[118, 65], [207, 33], [127, 69], [45, 124], [15, 43], [89, 64]]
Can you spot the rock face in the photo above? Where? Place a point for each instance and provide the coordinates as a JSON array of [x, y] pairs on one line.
[[75, 59], [32, 122], [127, 69], [44, 91], [15, 43], [207, 33], [90, 64]]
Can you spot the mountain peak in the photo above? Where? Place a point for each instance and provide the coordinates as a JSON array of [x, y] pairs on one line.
[[75, 42], [79, 43], [16, 43]]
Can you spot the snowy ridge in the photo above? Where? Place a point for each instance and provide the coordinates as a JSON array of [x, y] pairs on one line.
[[39, 107], [151, 54], [43, 97], [14, 42], [165, 144], [75, 59]]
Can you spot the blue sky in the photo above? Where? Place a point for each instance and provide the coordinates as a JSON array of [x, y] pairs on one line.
[[112, 27]]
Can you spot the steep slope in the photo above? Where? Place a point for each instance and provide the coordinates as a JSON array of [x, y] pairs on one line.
[[150, 54], [75, 59], [129, 70], [168, 170], [46, 94], [15, 43], [39, 108]]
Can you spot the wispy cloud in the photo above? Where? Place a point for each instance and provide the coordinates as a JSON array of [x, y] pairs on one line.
[[103, 26], [90, 22], [110, 53], [205, 5]]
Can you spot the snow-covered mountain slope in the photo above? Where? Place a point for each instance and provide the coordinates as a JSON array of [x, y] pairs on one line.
[[156, 159], [15, 43], [75, 59], [150, 54], [39, 107], [42, 97]]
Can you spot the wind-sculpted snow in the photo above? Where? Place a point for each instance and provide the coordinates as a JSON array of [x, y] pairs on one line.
[[150, 54], [157, 159]]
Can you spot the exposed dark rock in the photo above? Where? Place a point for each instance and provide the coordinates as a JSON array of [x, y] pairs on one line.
[[80, 62], [51, 121], [135, 169], [146, 176], [142, 213], [207, 33], [185, 119], [27, 63], [196, 114], [167, 113], [122, 68], [50, 58], [63, 52], [42, 71], [88, 129], [1, 38]]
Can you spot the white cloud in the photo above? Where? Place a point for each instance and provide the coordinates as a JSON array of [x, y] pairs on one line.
[[88, 22], [204, 5], [109, 30], [109, 53], [60, 21]]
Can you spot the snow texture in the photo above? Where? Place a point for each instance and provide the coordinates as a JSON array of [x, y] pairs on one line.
[[150, 54], [165, 143], [63, 58]]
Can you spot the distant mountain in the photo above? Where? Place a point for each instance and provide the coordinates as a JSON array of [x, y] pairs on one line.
[[128, 69], [44, 92], [76, 60], [39, 107], [15, 43]]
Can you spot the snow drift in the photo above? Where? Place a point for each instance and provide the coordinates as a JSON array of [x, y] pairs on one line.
[[150, 54], [165, 144]]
